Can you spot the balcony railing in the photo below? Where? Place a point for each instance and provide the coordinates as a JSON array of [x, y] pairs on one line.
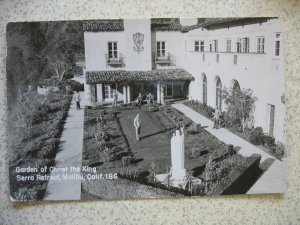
[[115, 61], [162, 58]]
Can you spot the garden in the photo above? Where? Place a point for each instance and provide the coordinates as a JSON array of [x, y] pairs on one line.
[[238, 118], [110, 145], [36, 124]]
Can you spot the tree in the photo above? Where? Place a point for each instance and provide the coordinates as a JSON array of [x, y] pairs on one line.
[[190, 180], [153, 170], [240, 106], [63, 41]]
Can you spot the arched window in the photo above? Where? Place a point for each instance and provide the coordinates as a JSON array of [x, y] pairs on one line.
[[218, 93], [235, 88], [204, 88]]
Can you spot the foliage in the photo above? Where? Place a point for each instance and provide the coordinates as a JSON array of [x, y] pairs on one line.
[[153, 170], [256, 136], [203, 109], [36, 51], [268, 140], [194, 129], [209, 172], [240, 106], [35, 125], [279, 150]]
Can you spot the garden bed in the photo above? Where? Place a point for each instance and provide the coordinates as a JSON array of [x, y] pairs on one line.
[[39, 147], [104, 141], [137, 162], [254, 136]]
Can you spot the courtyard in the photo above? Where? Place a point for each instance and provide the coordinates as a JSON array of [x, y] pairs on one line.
[[138, 162]]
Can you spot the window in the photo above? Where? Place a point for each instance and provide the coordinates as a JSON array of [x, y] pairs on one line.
[[218, 57], [161, 49], [242, 45], [203, 57], [202, 46], [214, 46], [228, 45], [239, 45], [218, 93], [245, 45], [236, 90], [168, 90], [197, 46], [260, 44], [270, 121], [112, 50], [277, 45]]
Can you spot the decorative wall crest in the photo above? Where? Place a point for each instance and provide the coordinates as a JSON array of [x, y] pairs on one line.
[[138, 39]]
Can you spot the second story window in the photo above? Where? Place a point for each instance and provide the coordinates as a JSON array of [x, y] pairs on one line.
[[245, 44], [201, 46], [112, 50], [260, 44], [228, 45], [239, 45], [197, 46], [213, 46], [161, 49], [277, 45]]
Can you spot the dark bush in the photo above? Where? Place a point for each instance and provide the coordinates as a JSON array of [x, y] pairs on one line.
[[74, 85], [279, 151], [209, 111], [256, 136], [194, 129], [269, 140]]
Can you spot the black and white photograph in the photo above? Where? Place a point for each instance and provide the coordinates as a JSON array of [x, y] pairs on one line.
[[145, 108]]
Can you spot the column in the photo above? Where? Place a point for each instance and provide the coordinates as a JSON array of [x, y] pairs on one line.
[[99, 92], [124, 94], [87, 94], [162, 100], [158, 93], [128, 94]]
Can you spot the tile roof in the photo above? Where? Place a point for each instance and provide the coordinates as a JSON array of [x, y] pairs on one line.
[[122, 76], [171, 24], [103, 25]]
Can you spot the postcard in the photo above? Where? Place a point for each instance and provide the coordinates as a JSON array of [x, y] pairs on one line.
[[145, 108]]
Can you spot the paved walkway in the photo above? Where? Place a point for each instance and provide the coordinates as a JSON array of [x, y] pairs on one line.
[[70, 154], [273, 180]]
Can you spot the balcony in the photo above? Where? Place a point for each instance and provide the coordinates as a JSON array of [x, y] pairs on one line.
[[162, 58], [115, 61]]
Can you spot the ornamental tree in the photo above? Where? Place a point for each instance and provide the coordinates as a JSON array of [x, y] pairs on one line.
[[240, 106]]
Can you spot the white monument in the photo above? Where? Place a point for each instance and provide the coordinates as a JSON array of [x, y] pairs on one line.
[[178, 172]]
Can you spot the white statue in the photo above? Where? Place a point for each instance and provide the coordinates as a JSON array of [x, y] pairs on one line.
[[178, 172]]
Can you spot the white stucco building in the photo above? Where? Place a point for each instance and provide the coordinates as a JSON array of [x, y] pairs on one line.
[[192, 58]]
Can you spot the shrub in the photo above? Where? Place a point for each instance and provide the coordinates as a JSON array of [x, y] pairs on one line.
[[279, 151], [209, 111], [269, 140], [256, 136], [74, 85], [194, 129]]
